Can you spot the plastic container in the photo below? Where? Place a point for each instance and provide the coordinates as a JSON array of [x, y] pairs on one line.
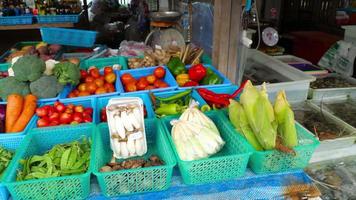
[[229, 163], [15, 20], [347, 140], [138, 73], [279, 75], [226, 81], [350, 33], [87, 103], [66, 187], [10, 143], [70, 37], [134, 181], [274, 161], [103, 62], [50, 19], [4, 67], [301, 64]]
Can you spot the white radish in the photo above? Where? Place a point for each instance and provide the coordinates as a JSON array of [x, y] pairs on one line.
[[124, 150], [116, 147], [134, 121], [119, 126], [131, 147], [125, 119]]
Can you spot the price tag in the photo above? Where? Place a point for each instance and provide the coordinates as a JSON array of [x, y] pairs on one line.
[[135, 136]]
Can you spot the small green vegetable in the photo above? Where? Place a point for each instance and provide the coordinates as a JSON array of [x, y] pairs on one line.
[[169, 109], [28, 68], [174, 97], [46, 87], [176, 66], [67, 73], [211, 78], [10, 85], [5, 158]]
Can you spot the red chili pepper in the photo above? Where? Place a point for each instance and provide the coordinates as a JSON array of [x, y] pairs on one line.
[[197, 72], [190, 84], [213, 98], [238, 91]]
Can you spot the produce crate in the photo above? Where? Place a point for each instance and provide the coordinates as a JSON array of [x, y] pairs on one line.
[[89, 102], [27, 128], [230, 162], [38, 142], [70, 37], [10, 143], [137, 73], [139, 180], [219, 90], [16, 20], [226, 81], [4, 67], [50, 19], [103, 62], [103, 101]]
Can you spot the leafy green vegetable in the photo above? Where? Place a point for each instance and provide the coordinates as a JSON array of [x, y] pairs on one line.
[[28, 68], [67, 72], [10, 85], [46, 87], [6, 157]]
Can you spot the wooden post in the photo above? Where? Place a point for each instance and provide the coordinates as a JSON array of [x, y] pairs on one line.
[[226, 37]]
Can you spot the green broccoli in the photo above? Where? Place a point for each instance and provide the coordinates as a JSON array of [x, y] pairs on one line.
[[28, 68], [46, 87], [10, 85], [67, 73]]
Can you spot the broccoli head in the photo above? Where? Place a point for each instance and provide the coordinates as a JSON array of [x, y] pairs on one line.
[[28, 68], [10, 85], [67, 73], [46, 87]]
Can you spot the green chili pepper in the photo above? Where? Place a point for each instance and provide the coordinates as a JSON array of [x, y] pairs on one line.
[[174, 97], [169, 109], [176, 66], [64, 159], [211, 78]]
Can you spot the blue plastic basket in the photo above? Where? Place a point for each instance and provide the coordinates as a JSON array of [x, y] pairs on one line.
[[10, 143], [89, 102], [70, 37], [103, 62], [65, 187], [67, 89], [219, 90], [15, 20], [4, 67], [49, 19], [226, 81], [137, 73]]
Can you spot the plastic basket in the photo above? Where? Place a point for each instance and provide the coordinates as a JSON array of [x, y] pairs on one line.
[[137, 73], [49, 19], [70, 37], [4, 67], [89, 102], [133, 181], [103, 62], [225, 82], [10, 143], [228, 163], [15, 20], [38, 142]]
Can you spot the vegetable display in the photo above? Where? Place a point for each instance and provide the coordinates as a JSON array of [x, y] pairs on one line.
[[265, 127], [6, 157], [195, 135], [93, 83], [172, 105], [126, 127], [149, 82], [60, 114], [19, 112], [67, 73], [132, 164], [61, 160]]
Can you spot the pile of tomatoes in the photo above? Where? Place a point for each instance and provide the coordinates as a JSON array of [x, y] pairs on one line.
[[92, 82], [149, 82], [60, 114]]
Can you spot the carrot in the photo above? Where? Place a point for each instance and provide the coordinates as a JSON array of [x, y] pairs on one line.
[[29, 108], [13, 110]]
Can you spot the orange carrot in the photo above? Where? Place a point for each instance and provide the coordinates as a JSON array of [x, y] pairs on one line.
[[29, 108], [13, 110]]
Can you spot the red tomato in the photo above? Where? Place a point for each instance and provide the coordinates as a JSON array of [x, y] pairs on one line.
[[86, 114], [41, 112], [69, 110], [94, 72], [82, 87], [150, 87], [65, 118], [157, 83], [54, 122], [60, 107], [79, 109], [99, 82], [101, 90], [108, 70], [78, 117], [151, 79], [102, 78], [109, 87], [83, 94], [76, 92], [70, 106], [53, 116], [50, 110], [42, 122], [103, 116], [110, 77], [141, 84], [89, 79], [159, 72], [163, 85], [83, 74], [88, 111], [127, 78], [56, 103], [87, 119], [131, 87], [91, 87], [71, 95]]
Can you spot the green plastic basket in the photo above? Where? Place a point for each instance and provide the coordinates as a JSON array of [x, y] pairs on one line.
[[38, 142], [103, 62], [275, 161], [133, 181], [228, 163]]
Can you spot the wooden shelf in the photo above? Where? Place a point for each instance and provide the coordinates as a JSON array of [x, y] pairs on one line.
[[36, 26]]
